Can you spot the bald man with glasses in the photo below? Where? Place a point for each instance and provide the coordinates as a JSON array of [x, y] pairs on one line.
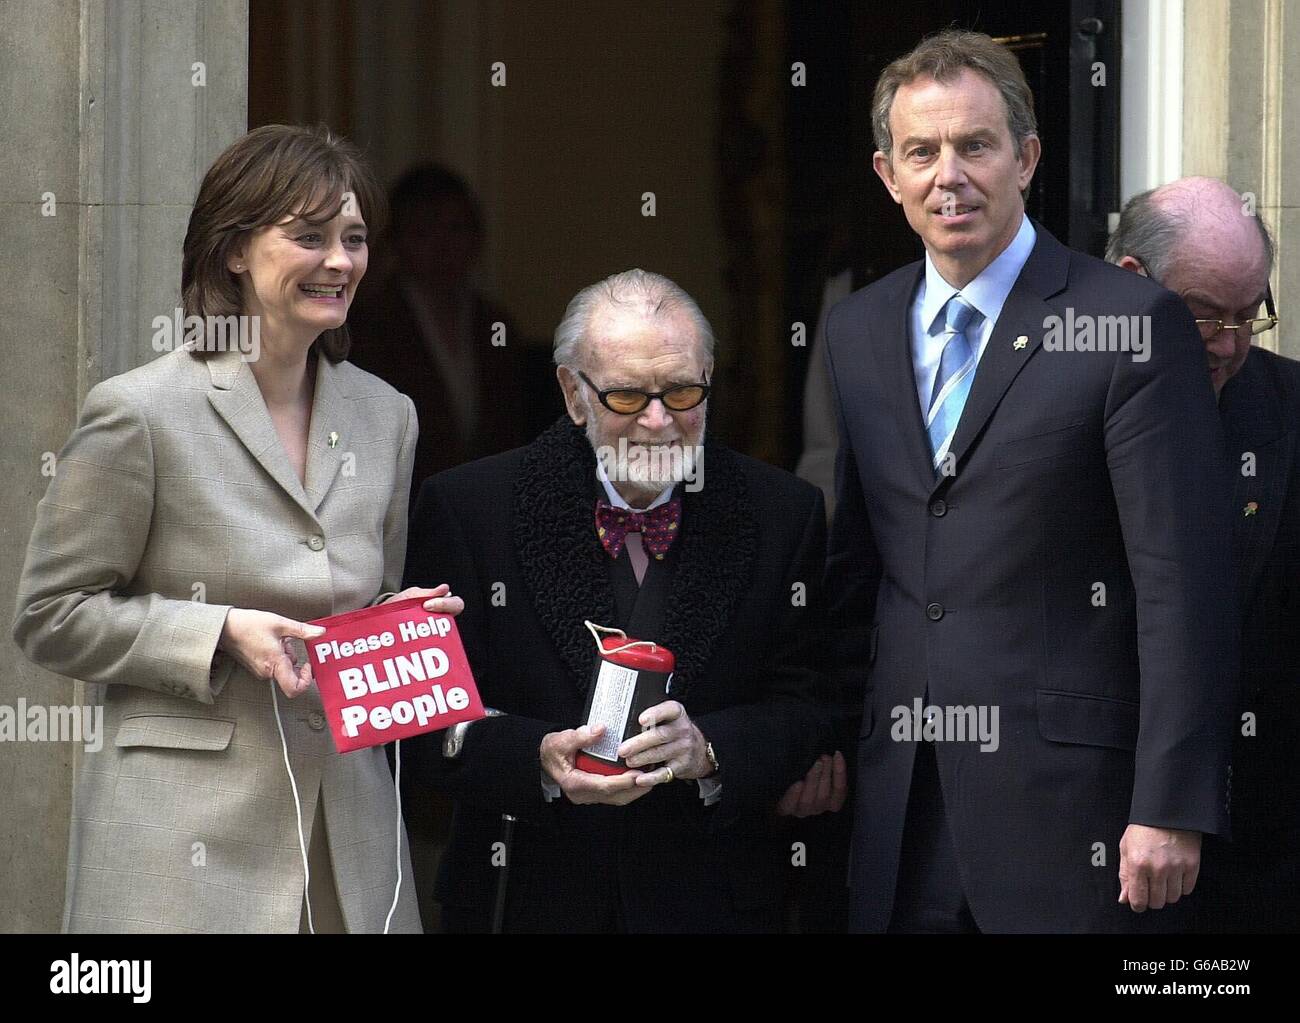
[[1198, 238]]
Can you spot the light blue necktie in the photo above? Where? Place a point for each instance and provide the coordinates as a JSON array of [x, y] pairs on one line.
[[953, 381]]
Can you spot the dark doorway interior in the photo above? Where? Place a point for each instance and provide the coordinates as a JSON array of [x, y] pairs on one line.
[[790, 195]]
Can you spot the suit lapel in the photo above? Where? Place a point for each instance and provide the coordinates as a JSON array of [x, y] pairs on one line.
[[647, 613], [561, 559], [895, 359], [1252, 422], [331, 416], [623, 584], [714, 566], [1022, 317], [237, 399]]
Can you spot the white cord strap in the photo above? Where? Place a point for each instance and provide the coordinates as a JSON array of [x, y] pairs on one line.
[[596, 630], [297, 808], [397, 789]]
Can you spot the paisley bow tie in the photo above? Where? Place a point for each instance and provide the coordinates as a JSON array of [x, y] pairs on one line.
[[658, 526]]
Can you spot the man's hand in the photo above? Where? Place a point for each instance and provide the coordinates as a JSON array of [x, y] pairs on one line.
[[671, 739], [559, 750], [438, 600], [1157, 866], [262, 643], [822, 790]]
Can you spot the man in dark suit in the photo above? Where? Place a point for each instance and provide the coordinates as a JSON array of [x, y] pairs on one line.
[[1202, 240], [622, 515], [1026, 564]]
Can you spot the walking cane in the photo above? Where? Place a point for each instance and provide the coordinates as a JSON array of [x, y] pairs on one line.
[[499, 910]]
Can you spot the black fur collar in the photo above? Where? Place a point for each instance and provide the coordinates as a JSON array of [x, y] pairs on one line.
[[567, 569]]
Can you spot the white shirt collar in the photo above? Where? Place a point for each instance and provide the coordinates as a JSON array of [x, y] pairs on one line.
[[987, 292]]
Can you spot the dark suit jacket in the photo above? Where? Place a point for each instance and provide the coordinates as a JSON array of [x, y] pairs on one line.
[[1250, 883], [515, 535], [979, 589]]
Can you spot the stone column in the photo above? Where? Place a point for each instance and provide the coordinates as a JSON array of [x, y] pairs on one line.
[[1241, 86], [113, 110]]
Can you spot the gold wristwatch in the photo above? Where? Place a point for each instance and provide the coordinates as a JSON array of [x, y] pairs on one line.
[[713, 757]]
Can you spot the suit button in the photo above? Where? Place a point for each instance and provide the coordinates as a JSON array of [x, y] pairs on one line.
[[939, 508], [315, 721], [316, 543], [934, 612]]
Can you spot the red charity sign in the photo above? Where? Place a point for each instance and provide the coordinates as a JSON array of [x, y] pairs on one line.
[[391, 672]]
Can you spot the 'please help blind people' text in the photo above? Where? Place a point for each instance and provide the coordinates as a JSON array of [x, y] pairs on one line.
[[392, 671]]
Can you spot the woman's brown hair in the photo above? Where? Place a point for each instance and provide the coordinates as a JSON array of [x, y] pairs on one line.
[[273, 172]]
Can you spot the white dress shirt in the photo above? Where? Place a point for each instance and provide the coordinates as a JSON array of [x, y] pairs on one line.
[[987, 292]]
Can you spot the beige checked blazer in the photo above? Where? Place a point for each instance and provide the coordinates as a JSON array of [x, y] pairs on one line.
[[173, 501]]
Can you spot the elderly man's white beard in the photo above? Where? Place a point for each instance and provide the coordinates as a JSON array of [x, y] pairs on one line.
[[641, 472]]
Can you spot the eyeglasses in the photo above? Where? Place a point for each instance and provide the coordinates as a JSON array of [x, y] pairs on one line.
[[1210, 329], [628, 401]]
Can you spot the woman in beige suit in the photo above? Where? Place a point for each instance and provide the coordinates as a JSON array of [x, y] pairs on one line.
[[206, 506]]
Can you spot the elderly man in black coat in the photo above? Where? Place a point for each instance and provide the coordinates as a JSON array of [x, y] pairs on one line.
[[620, 514]]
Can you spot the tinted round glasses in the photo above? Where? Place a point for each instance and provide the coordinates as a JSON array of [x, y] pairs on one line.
[[628, 401]]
